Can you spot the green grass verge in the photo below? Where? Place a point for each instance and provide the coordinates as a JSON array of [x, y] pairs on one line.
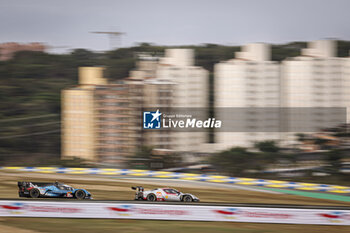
[[326, 196]]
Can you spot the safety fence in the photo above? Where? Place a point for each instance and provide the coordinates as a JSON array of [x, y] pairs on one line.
[[173, 212], [188, 176]]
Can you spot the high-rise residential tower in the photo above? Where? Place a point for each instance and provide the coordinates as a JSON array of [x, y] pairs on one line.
[[248, 85], [313, 80], [100, 121]]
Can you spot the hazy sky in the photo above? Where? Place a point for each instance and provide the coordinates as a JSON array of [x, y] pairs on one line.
[[176, 22]]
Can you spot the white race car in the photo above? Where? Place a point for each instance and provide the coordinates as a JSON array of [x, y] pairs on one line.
[[163, 194]]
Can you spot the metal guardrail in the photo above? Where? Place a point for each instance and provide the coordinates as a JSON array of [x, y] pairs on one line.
[[189, 176], [173, 212]]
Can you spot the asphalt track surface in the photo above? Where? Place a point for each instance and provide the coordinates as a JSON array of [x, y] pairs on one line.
[[258, 205], [166, 182]]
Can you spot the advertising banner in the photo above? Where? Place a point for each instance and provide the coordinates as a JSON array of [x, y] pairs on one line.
[[173, 212]]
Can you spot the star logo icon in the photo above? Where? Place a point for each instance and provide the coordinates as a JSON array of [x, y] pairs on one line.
[[151, 120], [156, 115]]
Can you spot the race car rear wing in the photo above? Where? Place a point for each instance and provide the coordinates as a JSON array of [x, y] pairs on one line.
[[24, 184], [138, 188]]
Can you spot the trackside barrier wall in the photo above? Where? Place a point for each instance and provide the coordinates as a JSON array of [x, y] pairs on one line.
[[189, 176], [173, 212]]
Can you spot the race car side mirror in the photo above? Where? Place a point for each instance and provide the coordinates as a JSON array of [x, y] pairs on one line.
[[133, 188]]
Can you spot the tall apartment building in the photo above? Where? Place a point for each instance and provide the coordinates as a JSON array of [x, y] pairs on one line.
[[156, 94], [346, 85], [173, 82], [100, 120], [249, 82], [117, 121], [78, 118], [184, 85], [316, 78]]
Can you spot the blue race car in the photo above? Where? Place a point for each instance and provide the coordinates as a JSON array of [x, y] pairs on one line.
[[35, 190]]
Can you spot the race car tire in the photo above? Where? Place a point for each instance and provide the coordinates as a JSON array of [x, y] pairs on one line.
[[187, 198], [80, 194], [34, 193], [151, 197]]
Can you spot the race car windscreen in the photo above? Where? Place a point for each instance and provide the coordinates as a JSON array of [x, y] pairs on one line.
[[171, 191], [64, 187]]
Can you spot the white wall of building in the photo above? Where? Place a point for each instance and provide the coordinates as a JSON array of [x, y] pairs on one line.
[[249, 80], [190, 90], [314, 79]]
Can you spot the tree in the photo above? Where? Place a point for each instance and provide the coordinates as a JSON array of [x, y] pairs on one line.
[[234, 161], [300, 137], [267, 146], [334, 158], [147, 158], [83, 57]]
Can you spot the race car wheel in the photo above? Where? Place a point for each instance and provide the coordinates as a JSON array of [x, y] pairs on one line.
[[80, 194], [151, 197], [34, 193], [187, 199]]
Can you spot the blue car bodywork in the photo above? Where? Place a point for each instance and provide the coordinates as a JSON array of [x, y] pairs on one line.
[[58, 190]]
